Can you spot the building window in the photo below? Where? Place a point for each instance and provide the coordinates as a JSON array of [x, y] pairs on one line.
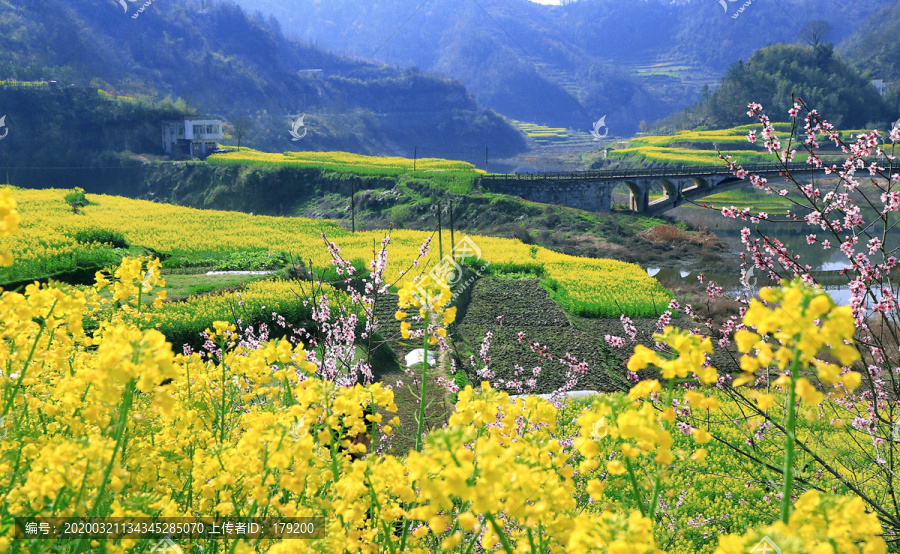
[[198, 130]]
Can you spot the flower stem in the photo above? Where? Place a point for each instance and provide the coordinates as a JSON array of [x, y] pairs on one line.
[[789, 437], [18, 385], [500, 534], [634, 485], [127, 399], [657, 488], [420, 424]]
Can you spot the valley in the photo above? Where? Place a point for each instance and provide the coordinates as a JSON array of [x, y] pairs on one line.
[[449, 276]]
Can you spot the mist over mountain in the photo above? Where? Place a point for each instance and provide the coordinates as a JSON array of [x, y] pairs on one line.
[[225, 63], [567, 65]]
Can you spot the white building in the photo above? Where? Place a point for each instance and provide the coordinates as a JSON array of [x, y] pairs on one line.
[[191, 136], [880, 86]]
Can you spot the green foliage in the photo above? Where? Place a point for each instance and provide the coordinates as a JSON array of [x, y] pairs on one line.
[[182, 322], [773, 74], [875, 46], [77, 266], [101, 236], [180, 287], [76, 199], [257, 260], [461, 380], [527, 274], [442, 175], [191, 261], [105, 126]]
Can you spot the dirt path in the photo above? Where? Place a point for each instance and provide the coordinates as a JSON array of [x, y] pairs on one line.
[[438, 405]]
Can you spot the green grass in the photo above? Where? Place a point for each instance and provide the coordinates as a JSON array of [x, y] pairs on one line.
[[754, 199], [180, 287], [182, 322], [78, 265], [454, 176]]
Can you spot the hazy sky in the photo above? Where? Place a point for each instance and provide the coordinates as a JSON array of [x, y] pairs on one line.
[[554, 2]]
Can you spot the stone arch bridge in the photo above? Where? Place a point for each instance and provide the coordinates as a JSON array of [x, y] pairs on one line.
[[592, 190]]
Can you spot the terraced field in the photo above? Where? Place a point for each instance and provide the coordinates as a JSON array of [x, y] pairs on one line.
[[700, 147], [185, 236], [506, 307]]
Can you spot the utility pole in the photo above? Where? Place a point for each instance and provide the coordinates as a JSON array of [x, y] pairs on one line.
[[352, 204], [415, 156], [440, 234], [6, 150], [452, 238], [485, 159]]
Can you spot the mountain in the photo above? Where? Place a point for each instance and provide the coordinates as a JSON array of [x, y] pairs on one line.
[[875, 47], [226, 63], [818, 75], [566, 65]]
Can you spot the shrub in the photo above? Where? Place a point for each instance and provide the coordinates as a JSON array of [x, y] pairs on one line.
[[521, 233], [101, 236], [76, 199], [252, 261]]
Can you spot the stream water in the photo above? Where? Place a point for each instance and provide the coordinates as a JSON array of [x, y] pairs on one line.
[[826, 264]]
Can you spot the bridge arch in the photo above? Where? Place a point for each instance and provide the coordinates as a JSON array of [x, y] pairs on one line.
[[701, 183], [670, 188], [639, 198], [594, 190]]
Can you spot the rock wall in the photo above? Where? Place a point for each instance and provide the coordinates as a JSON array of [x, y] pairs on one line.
[[269, 191]]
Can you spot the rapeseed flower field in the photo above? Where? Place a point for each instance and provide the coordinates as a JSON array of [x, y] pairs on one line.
[[339, 161], [111, 422], [453, 175], [585, 286], [698, 147]]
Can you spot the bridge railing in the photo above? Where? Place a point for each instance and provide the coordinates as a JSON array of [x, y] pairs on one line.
[[684, 171]]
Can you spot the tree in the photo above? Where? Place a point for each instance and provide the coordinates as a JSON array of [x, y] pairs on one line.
[[241, 125], [76, 199], [815, 33]]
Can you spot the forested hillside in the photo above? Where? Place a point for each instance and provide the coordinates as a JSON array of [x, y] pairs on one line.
[[876, 46], [838, 90], [225, 63]]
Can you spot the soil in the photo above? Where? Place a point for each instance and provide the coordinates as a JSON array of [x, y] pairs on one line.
[[506, 307], [438, 402], [527, 307]]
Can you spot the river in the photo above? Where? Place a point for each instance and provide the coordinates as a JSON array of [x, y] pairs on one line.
[[825, 264]]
